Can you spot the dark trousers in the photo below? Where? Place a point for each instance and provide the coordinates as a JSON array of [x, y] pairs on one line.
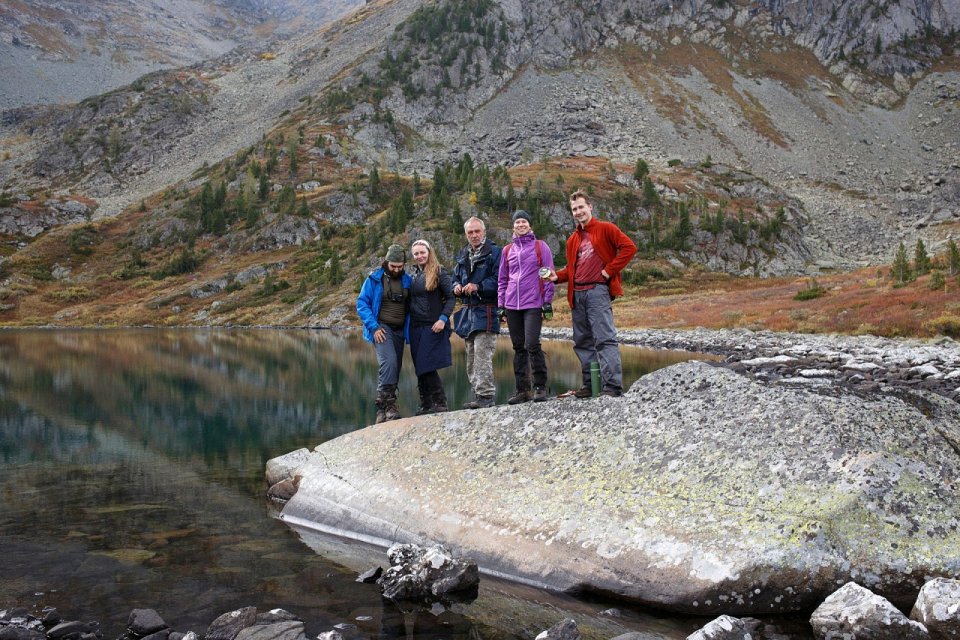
[[528, 358]]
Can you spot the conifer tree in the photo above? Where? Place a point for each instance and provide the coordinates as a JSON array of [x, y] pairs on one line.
[[373, 183], [684, 228], [294, 161], [485, 197], [901, 266], [252, 216], [263, 186], [650, 195], [953, 258], [640, 170], [921, 261], [456, 218]]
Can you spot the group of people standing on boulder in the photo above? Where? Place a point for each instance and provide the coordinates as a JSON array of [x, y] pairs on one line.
[[514, 285]]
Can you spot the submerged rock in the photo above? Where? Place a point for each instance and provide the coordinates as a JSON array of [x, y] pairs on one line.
[[229, 625], [564, 630], [143, 622], [699, 491]]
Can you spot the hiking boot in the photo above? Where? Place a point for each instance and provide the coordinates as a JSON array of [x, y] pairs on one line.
[[540, 394], [612, 393], [381, 406], [522, 395], [583, 392], [390, 411], [480, 402], [439, 403]]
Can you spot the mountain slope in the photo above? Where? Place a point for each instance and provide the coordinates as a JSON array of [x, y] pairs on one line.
[[782, 152], [57, 51]]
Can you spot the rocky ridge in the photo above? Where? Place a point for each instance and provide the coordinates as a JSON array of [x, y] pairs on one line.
[[66, 51]]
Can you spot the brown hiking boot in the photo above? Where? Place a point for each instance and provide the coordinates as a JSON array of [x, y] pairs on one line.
[[540, 394], [519, 397], [481, 402], [583, 392]]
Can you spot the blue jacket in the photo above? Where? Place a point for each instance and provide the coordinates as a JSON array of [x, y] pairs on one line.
[[368, 304], [479, 310]]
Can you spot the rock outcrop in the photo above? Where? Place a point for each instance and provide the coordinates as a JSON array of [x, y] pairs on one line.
[[700, 491]]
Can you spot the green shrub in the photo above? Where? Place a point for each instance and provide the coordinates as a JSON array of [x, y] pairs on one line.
[[643, 275], [813, 290], [36, 270], [184, 262], [946, 325], [70, 294], [83, 239], [674, 162], [937, 281]]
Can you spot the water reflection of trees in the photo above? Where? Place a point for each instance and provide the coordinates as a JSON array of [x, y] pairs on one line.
[[232, 398], [218, 395]]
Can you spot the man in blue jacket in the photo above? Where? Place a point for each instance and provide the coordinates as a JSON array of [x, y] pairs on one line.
[[384, 309], [477, 322]]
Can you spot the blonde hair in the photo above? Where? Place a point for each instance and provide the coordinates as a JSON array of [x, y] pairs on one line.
[[431, 269]]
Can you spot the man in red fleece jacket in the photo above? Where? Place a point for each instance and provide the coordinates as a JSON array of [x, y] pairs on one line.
[[596, 253]]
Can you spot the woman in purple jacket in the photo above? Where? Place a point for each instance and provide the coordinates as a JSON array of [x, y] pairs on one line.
[[525, 299]]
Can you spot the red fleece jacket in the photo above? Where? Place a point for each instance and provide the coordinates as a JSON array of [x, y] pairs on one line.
[[614, 247]]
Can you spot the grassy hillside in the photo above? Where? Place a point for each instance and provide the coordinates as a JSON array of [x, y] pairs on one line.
[[283, 234]]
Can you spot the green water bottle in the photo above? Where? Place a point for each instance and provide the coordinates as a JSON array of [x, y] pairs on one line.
[[595, 378]]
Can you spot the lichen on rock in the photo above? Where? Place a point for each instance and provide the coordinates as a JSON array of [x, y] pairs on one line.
[[699, 491]]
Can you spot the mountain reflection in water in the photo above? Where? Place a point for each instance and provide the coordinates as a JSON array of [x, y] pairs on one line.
[[132, 467]]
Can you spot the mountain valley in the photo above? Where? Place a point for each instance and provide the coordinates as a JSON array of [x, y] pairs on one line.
[[787, 154]]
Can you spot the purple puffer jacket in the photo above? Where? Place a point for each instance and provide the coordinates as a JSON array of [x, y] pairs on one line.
[[518, 286]]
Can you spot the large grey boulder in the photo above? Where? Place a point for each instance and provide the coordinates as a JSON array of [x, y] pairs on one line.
[[854, 612], [938, 608], [699, 491]]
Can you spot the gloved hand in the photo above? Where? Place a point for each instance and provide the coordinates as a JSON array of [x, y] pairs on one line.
[[547, 311], [502, 314]]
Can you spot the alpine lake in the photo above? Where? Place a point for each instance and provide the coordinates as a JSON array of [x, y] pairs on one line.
[[132, 474]]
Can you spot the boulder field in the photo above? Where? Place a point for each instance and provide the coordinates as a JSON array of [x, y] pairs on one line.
[[699, 491]]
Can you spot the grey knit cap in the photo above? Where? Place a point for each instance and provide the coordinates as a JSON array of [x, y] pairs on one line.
[[521, 214], [396, 253]]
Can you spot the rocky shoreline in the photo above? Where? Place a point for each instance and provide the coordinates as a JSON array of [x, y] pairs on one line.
[[864, 363], [850, 612]]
